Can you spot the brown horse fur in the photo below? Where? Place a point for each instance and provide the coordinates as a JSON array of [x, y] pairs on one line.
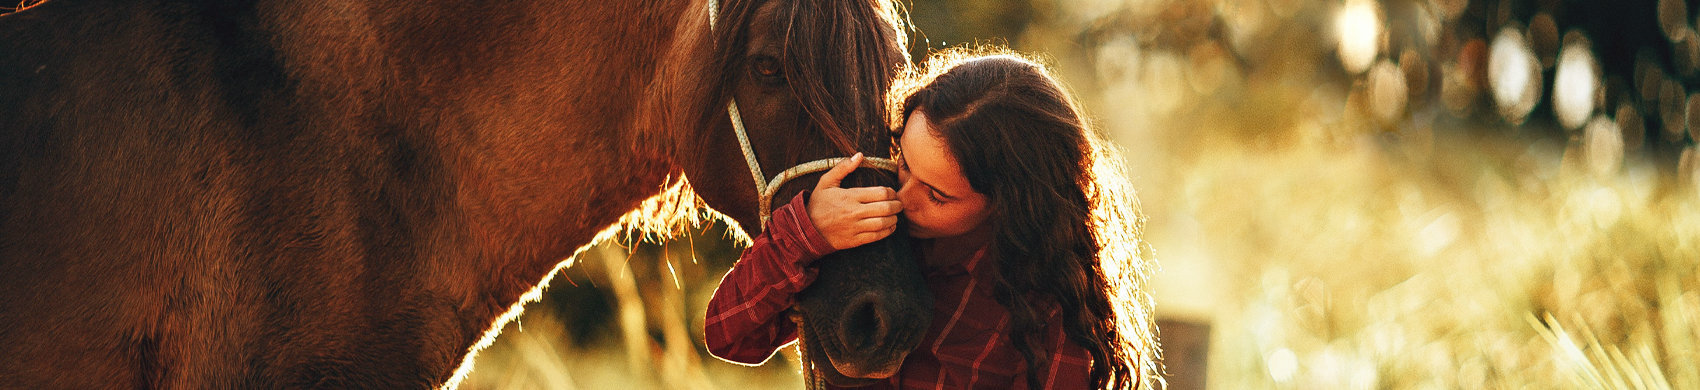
[[353, 193]]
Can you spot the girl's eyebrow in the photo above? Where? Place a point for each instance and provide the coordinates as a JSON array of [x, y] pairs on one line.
[[941, 193]]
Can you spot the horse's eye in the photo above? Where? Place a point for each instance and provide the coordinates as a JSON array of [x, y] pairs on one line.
[[767, 70]]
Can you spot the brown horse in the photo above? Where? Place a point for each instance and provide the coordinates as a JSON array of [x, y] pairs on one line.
[[354, 193]]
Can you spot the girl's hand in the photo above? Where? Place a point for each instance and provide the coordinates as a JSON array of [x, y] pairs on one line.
[[850, 217]]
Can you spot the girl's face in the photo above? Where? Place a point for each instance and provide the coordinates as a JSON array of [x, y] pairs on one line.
[[936, 196]]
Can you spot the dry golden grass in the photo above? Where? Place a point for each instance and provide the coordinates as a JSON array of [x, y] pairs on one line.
[[627, 318], [1366, 265]]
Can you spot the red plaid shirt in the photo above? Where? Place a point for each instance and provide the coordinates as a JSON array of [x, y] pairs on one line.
[[966, 346]]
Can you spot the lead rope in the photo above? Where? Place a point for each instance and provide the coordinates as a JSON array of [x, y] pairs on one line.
[[765, 191], [811, 376]]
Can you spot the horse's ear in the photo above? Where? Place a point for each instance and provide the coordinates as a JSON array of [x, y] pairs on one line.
[[676, 102]]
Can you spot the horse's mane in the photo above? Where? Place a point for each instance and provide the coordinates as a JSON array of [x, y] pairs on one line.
[[863, 41], [854, 38]]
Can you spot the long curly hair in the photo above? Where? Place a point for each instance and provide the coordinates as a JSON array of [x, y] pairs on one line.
[[1067, 225]]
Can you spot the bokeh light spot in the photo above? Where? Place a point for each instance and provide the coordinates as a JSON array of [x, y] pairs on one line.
[[1630, 124], [1364, 377], [1166, 75], [1603, 143], [1574, 84], [1210, 68], [1649, 78], [1387, 91], [1450, 9], [1416, 75], [1673, 18], [1688, 168], [1283, 364], [1514, 74], [1359, 27], [1693, 115], [1673, 109], [1685, 54]]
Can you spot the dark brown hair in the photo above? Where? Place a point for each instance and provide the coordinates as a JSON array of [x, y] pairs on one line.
[[1066, 230], [863, 39]]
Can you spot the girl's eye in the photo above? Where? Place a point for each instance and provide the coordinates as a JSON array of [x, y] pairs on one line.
[[934, 197]]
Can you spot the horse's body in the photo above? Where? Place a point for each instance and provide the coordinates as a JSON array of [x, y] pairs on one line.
[[264, 194]]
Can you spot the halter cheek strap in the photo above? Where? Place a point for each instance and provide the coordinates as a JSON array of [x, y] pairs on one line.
[[766, 189]]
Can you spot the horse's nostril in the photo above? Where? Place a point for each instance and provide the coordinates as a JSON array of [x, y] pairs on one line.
[[864, 323]]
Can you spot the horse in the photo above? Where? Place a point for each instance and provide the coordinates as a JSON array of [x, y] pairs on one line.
[[359, 193]]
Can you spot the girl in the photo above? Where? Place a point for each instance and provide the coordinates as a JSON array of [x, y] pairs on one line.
[[1029, 240]]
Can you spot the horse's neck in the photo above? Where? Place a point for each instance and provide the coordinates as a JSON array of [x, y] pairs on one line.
[[531, 106], [528, 110]]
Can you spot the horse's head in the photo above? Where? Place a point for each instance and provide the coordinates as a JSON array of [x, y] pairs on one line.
[[809, 78]]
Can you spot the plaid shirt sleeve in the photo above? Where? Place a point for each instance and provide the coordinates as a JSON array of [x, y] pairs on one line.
[[745, 322]]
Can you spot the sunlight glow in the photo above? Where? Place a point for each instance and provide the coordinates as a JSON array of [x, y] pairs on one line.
[[1514, 74], [1364, 377], [1438, 234], [1359, 28], [1283, 364], [1575, 83]]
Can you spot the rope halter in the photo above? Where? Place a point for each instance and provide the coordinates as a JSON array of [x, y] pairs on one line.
[[766, 189]]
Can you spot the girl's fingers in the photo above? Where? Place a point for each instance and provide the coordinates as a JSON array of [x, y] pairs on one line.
[[836, 175], [871, 229], [872, 194], [876, 224], [879, 209], [892, 207]]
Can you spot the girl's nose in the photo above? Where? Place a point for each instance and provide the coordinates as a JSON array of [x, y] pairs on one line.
[[905, 193]]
